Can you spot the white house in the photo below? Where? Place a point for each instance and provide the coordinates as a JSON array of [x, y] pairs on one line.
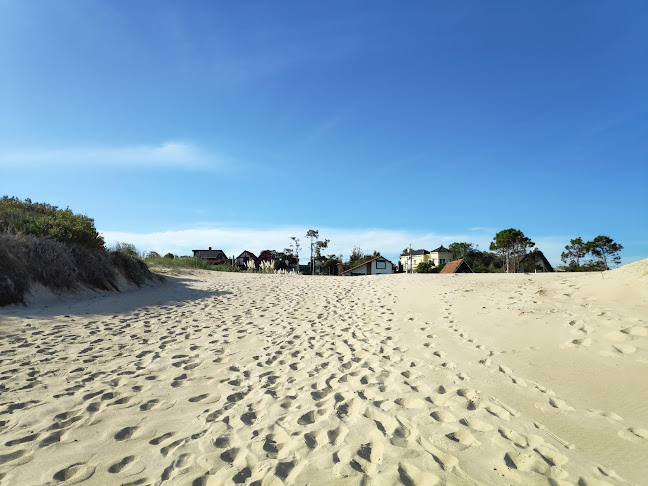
[[375, 266]]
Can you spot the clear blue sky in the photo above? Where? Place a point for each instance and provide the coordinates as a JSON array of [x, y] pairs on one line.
[[182, 125]]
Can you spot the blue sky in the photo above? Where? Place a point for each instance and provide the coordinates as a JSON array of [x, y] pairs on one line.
[[182, 125]]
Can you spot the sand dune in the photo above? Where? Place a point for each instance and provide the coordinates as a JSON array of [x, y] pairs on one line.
[[216, 378]]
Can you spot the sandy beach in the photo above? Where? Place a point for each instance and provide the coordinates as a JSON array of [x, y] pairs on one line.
[[221, 378]]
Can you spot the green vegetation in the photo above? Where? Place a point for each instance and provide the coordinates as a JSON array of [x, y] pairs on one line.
[[428, 267], [603, 249], [189, 262], [39, 219], [42, 244], [479, 261], [126, 249], [425, 267]]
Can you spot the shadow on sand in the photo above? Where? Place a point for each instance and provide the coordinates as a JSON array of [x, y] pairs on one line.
[[174, 290]]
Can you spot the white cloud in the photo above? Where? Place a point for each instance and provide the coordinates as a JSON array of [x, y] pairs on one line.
[[170, 154]]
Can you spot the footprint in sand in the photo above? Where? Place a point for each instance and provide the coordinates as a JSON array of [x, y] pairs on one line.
[[463, 437], [414, 476], [443, 416], [624, 348], [119, 466], [78, 472], [476, 424], [560, 405], [581, 342], [125, 433]]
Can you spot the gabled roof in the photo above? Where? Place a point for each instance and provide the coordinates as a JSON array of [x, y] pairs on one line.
[[364, 263], [265, 255], [441, 249], [455, 266], [209, 253], [416, 252], [249, 254], [536, 255]]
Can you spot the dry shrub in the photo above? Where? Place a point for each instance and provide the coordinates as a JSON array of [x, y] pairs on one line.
[[134, 269], [95, 268], [14, 280], [50, 262], [27, 259]]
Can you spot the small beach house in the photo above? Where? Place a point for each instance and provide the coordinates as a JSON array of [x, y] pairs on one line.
[[213, 257], [245, 257], [376, 266], [534, 262]]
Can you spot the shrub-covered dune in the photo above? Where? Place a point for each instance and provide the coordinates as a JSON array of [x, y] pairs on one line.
[[42, 244]]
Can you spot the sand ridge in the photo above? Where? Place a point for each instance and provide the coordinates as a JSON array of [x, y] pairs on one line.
[[264, 379]]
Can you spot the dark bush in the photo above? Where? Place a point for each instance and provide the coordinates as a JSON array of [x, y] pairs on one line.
[[50, 262], [134, 269], [95, 268], [14, 280]]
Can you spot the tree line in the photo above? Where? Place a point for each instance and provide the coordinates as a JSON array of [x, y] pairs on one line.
[[506, 250], [602, 251], [510, 245]]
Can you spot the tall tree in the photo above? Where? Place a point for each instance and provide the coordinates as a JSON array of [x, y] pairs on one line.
[[297, 246], [319, 245], [315, 246], [510, 244], [605, 249], [574, 252]]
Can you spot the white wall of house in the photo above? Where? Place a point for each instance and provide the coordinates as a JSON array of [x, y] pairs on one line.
[[381, 267], [378, 267]]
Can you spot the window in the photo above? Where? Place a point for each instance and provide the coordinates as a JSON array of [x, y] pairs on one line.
[[441, 261], [381, 264]]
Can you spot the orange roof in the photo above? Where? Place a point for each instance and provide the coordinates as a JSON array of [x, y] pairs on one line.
[[453, 266], [364, 263]]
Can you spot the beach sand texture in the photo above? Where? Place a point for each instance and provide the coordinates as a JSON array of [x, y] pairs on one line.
[[218, 378]]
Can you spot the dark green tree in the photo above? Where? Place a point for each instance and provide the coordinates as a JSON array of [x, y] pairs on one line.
[[319, 246], [574, 252], [330, 264], [510, 244], [461, 250], [357, 257], [291, 258], [425, 267], [605, 250]]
